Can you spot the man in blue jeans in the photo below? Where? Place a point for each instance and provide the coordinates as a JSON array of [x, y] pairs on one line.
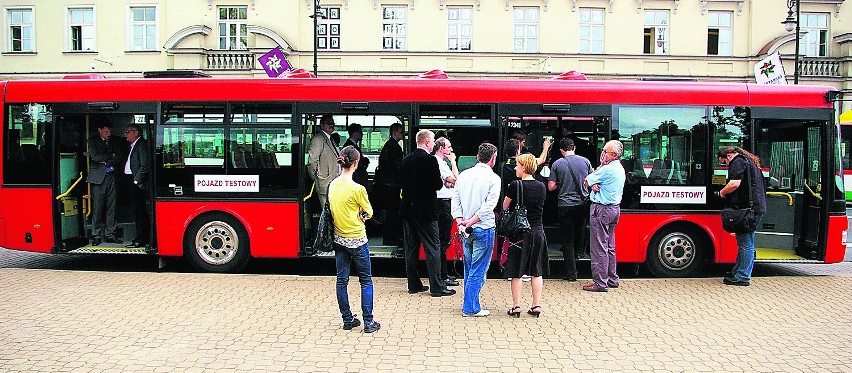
[[477, 193], [744, 178]]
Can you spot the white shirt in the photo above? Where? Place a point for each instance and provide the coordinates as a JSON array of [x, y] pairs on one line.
[[127, 164], [446, 172], [477, 192]]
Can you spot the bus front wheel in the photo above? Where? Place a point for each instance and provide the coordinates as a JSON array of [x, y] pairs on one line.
[[216, 243], [678, 251]]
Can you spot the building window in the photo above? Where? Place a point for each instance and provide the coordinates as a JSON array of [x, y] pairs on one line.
[[82, 32], [393, 27], [20, 30], [719, 33], [233, 32], [656, 39], [143, 28], [526, 30], [814, 41], [459, 28], [328, 31], [591, 30]]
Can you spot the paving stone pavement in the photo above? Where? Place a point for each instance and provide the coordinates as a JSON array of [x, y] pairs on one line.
[[91, 321]]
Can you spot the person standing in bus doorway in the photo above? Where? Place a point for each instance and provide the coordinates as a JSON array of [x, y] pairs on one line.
[[322, 158], [573, 211], [449, 174], [607, 183], [138, 170], [476, 197], [106, 157], [420, 180], [356, 134], [740, 162], [350, 208], [387, 185]]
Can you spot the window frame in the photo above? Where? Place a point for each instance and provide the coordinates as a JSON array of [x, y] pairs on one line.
[[720, 39], [590, 42], [69, 24], [666, 47], [328, 38], [526, 24], [821, 47], [394, 35], [131, 24], [7, 12], [458, 25], [227, 22]]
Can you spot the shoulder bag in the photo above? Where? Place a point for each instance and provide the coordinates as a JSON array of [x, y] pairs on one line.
[[513, 221], [742, 220], [324, 241]]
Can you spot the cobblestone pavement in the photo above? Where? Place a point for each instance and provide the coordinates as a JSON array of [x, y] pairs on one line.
[[67, 320]]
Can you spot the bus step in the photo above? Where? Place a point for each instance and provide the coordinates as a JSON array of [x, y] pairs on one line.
[[108, 250]]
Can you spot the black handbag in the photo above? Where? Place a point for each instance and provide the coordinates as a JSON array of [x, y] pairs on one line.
[[324, 242], [737, 220], [513, 221]]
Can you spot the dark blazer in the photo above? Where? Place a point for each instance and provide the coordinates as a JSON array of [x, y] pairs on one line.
[[420, 179], [140, 167], [360, 175], [103, 154], [390, 159]]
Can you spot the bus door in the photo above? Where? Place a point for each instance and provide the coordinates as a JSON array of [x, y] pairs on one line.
[[73, 213], [375, 120], [587, 125], [793, 162]]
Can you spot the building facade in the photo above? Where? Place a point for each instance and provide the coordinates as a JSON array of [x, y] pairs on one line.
[[714, 40]]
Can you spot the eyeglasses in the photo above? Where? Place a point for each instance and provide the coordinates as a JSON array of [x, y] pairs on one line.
[[129, 131]]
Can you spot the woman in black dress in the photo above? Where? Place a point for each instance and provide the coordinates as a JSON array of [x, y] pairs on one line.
[[527, 254]]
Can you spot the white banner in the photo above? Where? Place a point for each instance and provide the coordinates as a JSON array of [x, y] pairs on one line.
[[227, 183], [673, 194], [770, 70]]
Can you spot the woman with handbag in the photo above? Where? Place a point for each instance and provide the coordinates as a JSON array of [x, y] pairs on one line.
[[350, 207], [745, 190], [529, 256]]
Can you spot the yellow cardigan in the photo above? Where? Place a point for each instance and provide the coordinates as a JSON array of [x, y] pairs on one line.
[[348, 200]]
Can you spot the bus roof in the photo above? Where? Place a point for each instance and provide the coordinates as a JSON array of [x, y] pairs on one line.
[[419, 90]]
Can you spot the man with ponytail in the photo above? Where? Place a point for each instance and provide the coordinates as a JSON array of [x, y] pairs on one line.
[[744, 177]]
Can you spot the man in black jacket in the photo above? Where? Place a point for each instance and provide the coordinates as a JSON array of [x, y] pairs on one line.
[[106, 159], [138, 170], [421, 179], [386, 185], [356, 134]]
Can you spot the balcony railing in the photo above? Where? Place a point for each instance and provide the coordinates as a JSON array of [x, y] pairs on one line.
[[820, 67], [222, 60]]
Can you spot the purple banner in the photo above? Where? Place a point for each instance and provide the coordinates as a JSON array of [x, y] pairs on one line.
[[274, 62]]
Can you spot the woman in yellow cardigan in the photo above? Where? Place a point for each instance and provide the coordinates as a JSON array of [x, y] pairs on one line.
[[349, 209]]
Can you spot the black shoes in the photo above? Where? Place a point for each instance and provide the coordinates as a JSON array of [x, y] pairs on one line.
[[112, 240], [570, 278], [372, 326], [444, 293], [451, 282], [415, 291], [735, 282], [352, 324], [96, 241], [135, 244]]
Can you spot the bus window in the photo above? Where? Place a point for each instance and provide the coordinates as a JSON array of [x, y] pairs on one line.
[[261, 142], [27, 156]]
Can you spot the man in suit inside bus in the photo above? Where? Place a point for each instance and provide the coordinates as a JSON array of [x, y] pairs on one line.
[[106, 157], [138, 171], [386, 185], [322, 158], [356, 134], [421, 180]]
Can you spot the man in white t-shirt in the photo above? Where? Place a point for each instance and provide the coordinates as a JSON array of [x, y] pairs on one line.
[[449, 173]]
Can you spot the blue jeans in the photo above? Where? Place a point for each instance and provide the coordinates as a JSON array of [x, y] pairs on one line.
[[477, 258], [745, 254], [344, 257]]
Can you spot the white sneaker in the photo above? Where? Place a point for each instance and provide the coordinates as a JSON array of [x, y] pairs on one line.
[[481, 313], [526, 278]]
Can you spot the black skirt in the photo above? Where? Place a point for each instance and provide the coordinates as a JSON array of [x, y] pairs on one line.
[[528, 255]]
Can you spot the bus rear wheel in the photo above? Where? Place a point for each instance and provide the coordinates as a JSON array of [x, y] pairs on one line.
[[678, 251], [216, 243]]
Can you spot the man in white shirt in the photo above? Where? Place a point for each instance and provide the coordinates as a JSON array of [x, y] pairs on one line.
[[477, 194], [449, 174]]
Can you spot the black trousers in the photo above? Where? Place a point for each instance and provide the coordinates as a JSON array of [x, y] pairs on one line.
[[392, 227], [423, 231], [572, 223], [141, 216], [104, 200], [445, 225]]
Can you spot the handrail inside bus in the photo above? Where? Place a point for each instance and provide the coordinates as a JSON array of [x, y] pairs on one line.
[[311, 193], [782, 194], [811, 191], [71, 187]]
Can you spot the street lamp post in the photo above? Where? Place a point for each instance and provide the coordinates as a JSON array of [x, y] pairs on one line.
[[789, 24], [317, 15]]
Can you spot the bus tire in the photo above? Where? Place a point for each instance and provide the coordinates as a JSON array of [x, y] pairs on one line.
[[677, 251], [216, 242]]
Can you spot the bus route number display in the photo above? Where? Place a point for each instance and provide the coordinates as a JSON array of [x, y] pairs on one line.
[[673, 194], [227, 183]]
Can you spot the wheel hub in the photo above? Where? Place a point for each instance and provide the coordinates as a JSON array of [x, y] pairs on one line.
[[216, 242], [676, 251]]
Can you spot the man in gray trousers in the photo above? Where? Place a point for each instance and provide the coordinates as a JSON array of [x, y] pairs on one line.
[[607, 183]]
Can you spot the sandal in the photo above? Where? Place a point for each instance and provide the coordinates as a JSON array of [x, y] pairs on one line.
[[533, 312], [512, 312]]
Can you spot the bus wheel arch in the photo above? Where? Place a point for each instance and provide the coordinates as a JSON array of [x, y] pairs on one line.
[[679, 249], [216, 242]]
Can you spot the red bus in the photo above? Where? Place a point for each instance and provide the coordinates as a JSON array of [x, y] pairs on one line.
[[229, 159]]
